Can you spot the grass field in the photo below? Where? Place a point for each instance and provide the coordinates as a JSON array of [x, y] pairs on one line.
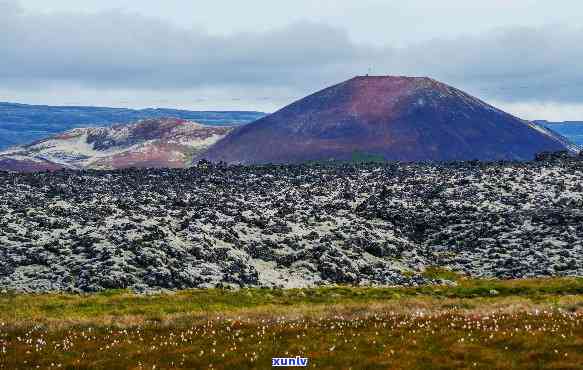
[[478, 324]]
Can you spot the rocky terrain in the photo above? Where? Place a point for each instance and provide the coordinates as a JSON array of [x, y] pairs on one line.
[[161, 142], [289, 226]]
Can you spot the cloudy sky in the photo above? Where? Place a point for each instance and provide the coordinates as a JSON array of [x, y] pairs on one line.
[[524, 56]]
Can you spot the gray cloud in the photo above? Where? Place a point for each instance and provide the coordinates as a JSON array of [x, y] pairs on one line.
[[117, 49], [122, 49], [513, 64]]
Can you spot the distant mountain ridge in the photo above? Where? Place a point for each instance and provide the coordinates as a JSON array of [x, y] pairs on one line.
[[23, 123], [152, 143], [572, 130], [396, 118]]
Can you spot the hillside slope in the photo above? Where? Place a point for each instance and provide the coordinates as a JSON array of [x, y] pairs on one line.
[[397, 118], [148, 143], [24, 123], [572, 130]]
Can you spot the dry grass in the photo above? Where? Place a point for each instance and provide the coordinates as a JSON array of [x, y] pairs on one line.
[[525, 324]]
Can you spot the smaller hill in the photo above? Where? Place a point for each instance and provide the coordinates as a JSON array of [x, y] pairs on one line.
[[154, 143], [25, 123]]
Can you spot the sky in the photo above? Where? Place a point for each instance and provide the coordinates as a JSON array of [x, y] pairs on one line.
[[523, 56]]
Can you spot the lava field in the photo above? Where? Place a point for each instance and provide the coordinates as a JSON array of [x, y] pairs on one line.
[[289, 225]]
